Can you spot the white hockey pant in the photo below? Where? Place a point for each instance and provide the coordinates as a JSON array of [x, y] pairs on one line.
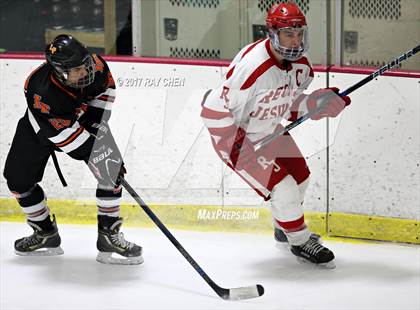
[[287, 211]]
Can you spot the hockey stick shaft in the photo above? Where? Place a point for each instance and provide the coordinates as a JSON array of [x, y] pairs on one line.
[[168, 234], [222, 292], [349, 90], [381, 70]]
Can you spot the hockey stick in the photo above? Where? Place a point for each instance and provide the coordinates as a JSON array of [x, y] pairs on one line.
[[349, 90], [225, 293]]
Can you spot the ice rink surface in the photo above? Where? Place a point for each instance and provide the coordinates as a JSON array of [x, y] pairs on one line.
[[368, 276]]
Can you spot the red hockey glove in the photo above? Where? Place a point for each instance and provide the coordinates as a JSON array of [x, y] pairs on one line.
[[239, 147], [329, 99]]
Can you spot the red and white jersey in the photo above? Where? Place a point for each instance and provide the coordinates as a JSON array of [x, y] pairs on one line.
[[257, 93]]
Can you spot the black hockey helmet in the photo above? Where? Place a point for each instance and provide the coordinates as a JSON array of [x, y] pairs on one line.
[[65, 53]]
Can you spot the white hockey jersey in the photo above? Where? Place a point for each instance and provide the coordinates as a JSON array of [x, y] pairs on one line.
[[257, 93]]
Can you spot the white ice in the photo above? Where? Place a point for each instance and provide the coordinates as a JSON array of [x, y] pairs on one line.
[[368, 276]]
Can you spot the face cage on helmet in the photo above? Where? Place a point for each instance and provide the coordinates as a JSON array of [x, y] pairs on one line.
[[63, 74], [291, 54]]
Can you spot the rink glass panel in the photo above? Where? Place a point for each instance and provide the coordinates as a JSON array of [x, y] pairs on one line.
[[215, 29], [348, 32], [103, 25], [374, 32]]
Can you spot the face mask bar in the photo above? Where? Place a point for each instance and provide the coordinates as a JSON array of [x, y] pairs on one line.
[[89, 64], [291, 54]]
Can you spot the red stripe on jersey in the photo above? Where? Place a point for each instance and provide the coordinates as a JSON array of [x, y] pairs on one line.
[[62, 88], [257, 73], [295, 225], [30, 75], [304, 61], [107, 98], [71, 138], [211, 114], [228, 75], [284, 65], [99, 66], [294, 109], [293, 116], [251, 47], [222, 131]]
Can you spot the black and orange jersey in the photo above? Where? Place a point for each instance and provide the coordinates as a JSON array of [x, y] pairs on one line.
[[60, 114]]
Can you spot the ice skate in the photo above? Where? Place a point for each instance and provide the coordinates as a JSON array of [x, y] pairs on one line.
[[114, 249], [281, 239], [313, 252], [41, 242]]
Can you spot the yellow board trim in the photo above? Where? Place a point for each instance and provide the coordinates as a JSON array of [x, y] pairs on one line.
[[373, 228], [229, 219]]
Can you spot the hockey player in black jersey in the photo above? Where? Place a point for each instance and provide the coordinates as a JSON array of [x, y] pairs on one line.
[[69, 101]]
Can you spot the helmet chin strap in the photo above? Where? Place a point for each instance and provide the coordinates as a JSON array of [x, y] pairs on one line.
[[63, 74], [63, 78], [291, 54], [275, 42]]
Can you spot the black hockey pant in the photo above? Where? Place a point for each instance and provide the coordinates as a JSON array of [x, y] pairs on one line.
[[25, 166]]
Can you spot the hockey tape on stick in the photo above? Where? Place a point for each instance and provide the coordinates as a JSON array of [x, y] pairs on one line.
[[225, 293]]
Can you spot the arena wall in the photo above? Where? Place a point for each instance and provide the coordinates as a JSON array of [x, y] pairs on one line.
[[370, 169]]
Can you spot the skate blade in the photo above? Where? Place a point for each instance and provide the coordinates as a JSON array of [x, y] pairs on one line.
[[116, 259], [282, 245], [42, 252], [327, 265]]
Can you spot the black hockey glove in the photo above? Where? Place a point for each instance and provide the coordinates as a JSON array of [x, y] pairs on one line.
[[105, 160]]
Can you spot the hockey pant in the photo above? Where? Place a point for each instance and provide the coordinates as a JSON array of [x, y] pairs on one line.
[[280, 175], [25, 166]]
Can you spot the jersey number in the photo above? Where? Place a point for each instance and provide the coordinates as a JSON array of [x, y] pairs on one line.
[[59, 123]]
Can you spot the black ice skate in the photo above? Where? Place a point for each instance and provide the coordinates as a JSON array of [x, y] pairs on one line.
[[281, 239], [111, 241], [41, 242], [313, 252]]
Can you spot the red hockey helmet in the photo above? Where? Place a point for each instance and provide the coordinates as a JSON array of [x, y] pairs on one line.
[[287, 17]]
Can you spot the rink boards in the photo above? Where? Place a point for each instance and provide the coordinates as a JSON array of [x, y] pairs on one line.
[[366, 183]]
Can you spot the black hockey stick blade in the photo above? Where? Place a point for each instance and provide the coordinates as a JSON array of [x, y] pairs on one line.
[[240, 293], [227, 294]]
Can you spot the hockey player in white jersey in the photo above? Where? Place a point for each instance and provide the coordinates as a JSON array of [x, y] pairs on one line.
[[264, 86]]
